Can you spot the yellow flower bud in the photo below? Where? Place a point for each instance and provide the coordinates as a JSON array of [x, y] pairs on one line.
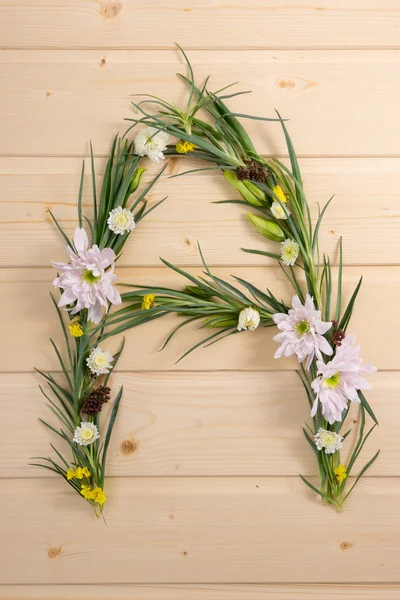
[[267, 228], [75, 327], [148, 301], [183, 147], [341, 473], [70, 474]]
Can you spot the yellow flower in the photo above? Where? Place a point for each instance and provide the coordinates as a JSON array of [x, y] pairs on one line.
[[99, 496], [75, 328], [184, 147], [70, 473], [86, 472], [340, 473], [278, 191], [148, 301], [87, 492]]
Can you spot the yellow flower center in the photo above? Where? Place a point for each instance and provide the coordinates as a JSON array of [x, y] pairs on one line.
[[122, 220], [90, 278], [87, 433], [302, 327], [332, 381], [100, 360], [328, 439]]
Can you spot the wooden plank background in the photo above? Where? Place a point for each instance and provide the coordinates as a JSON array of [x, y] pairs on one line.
[[205, 502]]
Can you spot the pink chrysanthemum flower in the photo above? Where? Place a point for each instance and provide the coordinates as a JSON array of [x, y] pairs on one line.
[[302, 332], [339, 380], [85, 279]]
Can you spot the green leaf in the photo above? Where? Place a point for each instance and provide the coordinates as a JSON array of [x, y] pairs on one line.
[[361, 473], [116, 359], [340, 275], [317, 226], [64, 329], [317, 491], [202, 342], [68, 242], [60, 360], [312, 444], [80, 194], [261, 252], [110, 427], [177, 328], [367, 407], [347, 314], [94, 191]]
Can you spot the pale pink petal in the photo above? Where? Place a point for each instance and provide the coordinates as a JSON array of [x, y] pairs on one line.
[[325, 347], [95, 313], [68, 297], [81, 241]]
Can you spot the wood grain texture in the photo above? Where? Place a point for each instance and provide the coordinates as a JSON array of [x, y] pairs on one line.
[[199, 424], [211, 24], [26, 303], [201, 592], [167, 530], [55, 102], [365, 211], [204, 497]]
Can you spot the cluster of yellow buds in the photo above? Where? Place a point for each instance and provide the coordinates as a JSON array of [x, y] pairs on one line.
[[341, 473], [94, 494], [78, 473], [75, 327], [183, 147], [148, 301]]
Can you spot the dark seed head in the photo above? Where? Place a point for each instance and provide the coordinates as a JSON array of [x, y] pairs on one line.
[[93, 403]]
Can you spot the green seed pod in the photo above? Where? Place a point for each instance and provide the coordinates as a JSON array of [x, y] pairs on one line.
[[135, 181], [267, 228], [249, 191], [197, 292], [256, 191]]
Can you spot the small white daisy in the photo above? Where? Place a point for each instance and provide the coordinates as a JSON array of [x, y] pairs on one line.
[[121, 220], [249, 318], [151, 142], [278, 211], [328, 440], [86, 434], [99, 362], [290, 252]]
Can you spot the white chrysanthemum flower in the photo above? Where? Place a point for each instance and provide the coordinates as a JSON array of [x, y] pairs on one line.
[[290, 252], [99, 361], [249, 318], [86, 434], [301, 332], [278, 211], [121, 220], [151, 142], [330, 441], [339, 379]]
